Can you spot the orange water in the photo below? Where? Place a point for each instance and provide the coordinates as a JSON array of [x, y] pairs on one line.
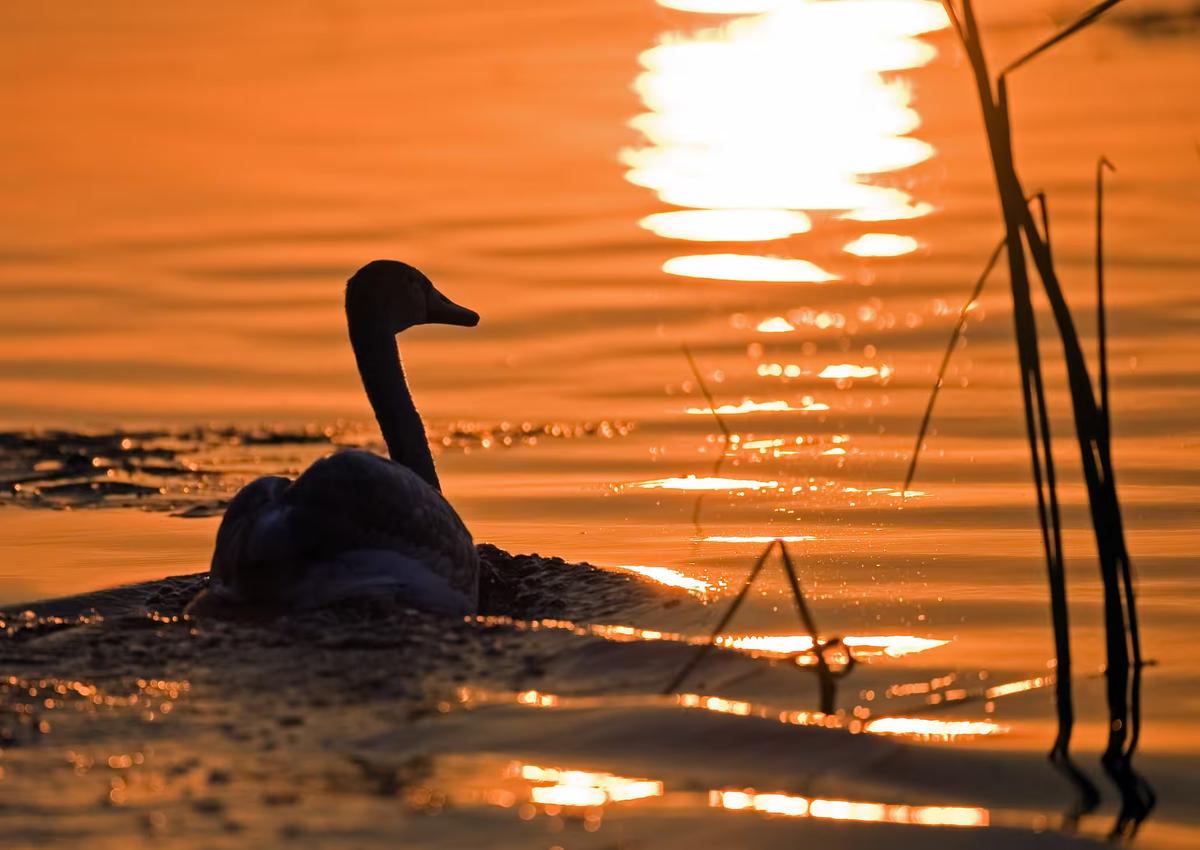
[[187, 185]]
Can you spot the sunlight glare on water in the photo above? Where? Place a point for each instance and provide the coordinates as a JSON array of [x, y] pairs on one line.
[[556, 786], [751, 538], [747, 267], [668, 576], [747, 406], [794, 806], [190, 185], [778, 112], [881, 245], [893, 646], [727, 225], [691, 482]]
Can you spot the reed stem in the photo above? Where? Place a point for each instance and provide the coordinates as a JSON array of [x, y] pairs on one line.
[[703, 649]]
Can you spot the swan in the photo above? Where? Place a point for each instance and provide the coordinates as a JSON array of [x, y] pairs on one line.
[[355, 523]]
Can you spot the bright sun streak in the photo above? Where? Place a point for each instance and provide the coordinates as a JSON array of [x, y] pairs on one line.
[[787, 109]]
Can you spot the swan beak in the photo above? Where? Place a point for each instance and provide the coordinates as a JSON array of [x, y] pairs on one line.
[[443, 311]]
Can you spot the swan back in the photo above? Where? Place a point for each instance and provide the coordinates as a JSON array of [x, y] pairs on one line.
[[354, 523]]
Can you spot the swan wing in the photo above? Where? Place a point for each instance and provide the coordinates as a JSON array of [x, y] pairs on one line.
[[367, 572], [252, 530], [355, 501]]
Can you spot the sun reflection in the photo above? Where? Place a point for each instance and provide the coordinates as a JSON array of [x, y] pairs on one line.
[[893, 646], [899, 211], [857, 721], [775, 325], [747, 267], [708, 483], [854, 722], [584, 795], [847, 810], [762, 445], [921, 727], [669, 577], [1010, 688], [865, 647], [746, 406], [848, 371], [881, 245], [886, 491], [559, 787], [727, 225], [782, 110], [555, 788], [723, 7], [757, 538]]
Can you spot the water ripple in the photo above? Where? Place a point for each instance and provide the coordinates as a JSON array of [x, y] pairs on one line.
[[194, 471]]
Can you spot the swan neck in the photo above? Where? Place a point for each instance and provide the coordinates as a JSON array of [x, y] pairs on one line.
[[382, 375]]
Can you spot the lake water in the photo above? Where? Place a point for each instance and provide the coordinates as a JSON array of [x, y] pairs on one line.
[[799, 194]]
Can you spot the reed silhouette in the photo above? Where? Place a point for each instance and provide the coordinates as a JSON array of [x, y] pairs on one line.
[[827, 674], [725, 434], [1092, 423]]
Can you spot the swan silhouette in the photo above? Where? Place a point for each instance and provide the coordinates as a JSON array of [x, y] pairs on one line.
[[355, 523]]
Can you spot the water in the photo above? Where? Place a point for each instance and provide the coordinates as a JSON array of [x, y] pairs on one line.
[[802, 198]]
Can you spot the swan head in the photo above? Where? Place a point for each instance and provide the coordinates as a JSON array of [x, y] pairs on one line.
[[402, 296]]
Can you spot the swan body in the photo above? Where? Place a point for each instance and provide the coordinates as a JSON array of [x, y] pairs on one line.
[[355, 523]]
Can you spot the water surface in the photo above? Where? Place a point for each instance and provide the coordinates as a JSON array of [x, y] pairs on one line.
[[799, 193]]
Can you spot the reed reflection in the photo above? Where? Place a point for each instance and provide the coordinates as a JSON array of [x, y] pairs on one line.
[[784, 110]]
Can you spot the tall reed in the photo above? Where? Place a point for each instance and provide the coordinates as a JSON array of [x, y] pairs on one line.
[[725, 433], [1092, 432]]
